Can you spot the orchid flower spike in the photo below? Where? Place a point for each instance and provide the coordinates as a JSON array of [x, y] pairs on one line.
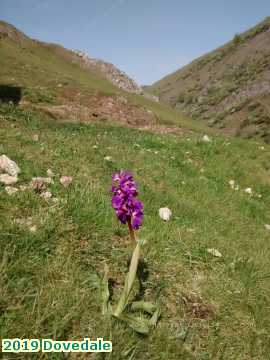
[[127, 207]]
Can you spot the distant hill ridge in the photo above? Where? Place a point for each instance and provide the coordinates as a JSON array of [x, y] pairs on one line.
[[105, 69], [69, 86], [228, 88]]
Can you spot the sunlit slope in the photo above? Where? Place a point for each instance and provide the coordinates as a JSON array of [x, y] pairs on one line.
[[228, 88], [48, 75], [211, 306]]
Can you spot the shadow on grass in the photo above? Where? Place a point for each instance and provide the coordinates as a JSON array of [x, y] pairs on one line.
[[142, 275], [10, 93]]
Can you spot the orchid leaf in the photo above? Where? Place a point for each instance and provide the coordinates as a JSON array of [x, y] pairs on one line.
[[138, 324], [105, 294], [144, 306], [154, 319], [129, 281]]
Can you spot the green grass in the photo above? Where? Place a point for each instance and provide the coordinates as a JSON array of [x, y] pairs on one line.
[[40, 70], [33, 65], [211, 308]]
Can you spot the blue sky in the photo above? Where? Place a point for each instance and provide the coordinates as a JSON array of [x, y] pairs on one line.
[[146, 38]]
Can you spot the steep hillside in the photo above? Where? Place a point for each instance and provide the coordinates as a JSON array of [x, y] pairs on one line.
[[228, 88], [103, 69], [72, 87]]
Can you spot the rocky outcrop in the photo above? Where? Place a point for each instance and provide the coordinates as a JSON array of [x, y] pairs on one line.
[[110, 72], [104, 69], [7, 30]]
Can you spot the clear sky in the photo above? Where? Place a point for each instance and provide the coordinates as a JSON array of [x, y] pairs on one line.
[[146, 38]]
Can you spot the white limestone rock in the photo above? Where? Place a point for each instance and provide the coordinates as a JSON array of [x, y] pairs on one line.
[[165, 213], [9, 166]]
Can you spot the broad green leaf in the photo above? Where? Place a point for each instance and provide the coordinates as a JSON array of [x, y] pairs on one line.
[[129, 281], [105, 294], [138, 324], [154, 319], [144, 306]]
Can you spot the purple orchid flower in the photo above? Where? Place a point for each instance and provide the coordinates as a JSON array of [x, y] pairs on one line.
[[128, 209]]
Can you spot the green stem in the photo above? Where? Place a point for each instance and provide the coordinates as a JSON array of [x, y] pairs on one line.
[[131, 231], [130, 278]]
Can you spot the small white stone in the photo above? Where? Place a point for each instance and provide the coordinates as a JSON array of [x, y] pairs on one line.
[[165, 213], [46, 180], [9, 166], [267, 226], [46, 195], [95, 147], [23, 187], [50, 173], [7, 179], [66, 180], [214, 252], [33, 228], [11, 190], [233, 185], [206, 138], [248, 191], [108, 158], [35, 137]]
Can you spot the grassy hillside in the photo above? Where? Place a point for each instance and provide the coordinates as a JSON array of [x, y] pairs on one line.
[[51, 80], [227, 88], [212, 307]]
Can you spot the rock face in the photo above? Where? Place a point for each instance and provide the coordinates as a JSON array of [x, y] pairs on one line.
[[110, 72], [7, 30]]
